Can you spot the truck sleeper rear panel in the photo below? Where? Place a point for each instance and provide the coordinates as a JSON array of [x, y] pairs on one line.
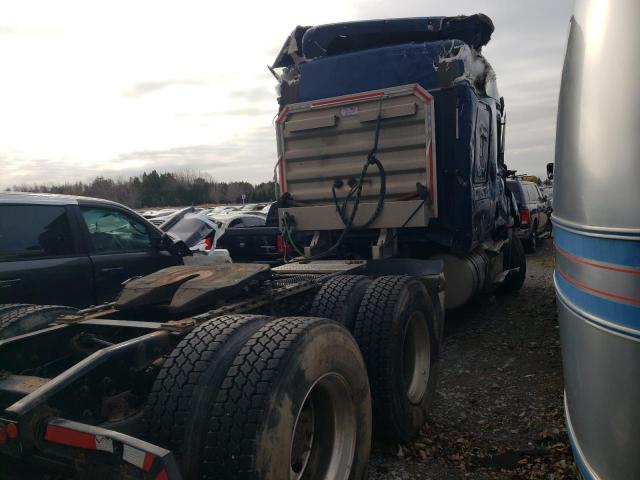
[[327, 141]]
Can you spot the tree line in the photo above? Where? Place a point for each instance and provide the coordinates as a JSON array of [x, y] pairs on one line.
[[162, 189]]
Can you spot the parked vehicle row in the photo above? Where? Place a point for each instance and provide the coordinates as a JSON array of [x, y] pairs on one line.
[[161, 215], [247, 233], [86, 248], [534, 212], [244, 236]]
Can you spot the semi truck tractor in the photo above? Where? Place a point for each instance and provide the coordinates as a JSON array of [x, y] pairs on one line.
[[391, 139], [394, 207], [596, 225]]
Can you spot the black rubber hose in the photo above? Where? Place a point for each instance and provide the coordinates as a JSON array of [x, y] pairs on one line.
[[357, 188], [355, 192]]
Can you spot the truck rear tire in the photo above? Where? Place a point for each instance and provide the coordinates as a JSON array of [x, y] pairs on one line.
[[295, 405], [395, 332], [24, 318], [339, 299], [179, 405], [516, 259]]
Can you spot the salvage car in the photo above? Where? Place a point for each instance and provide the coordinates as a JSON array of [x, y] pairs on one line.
[[534, 213], [75, 251], [199, 232]]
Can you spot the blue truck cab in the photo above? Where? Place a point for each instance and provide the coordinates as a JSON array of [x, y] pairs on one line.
[[348, 64]]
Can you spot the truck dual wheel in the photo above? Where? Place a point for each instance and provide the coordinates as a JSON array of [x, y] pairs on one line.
[[179, 405], [17, 319], [515, 259], [395, 331], [249, 397], [295, 405], [339, 299]]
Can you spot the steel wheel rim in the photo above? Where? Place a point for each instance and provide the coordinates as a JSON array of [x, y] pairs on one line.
[[416, 357], [323, 443]]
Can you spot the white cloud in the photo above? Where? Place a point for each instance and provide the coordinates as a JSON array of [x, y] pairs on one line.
[[86, 87]]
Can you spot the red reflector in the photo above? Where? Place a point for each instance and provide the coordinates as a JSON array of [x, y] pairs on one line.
[[3, 435], [525, 216], [69, 437], [281, 245], [148, 461], [162, 475], [208, 243], [12, 430]]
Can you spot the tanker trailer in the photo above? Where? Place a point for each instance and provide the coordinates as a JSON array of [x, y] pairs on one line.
[[596, 224]]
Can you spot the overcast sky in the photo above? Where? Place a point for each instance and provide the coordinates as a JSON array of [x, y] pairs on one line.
[[115, 88]]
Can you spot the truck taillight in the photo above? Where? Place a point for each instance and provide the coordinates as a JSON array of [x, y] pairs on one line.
[[12, 430], [8, 431], [281, 245], [208, 243], [525, 216]]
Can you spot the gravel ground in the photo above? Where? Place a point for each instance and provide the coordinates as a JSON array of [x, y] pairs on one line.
[[498, 410]]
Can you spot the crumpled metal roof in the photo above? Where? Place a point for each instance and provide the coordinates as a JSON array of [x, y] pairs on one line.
[[308, 43]]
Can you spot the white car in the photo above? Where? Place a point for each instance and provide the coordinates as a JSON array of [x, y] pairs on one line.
[[198, 231]]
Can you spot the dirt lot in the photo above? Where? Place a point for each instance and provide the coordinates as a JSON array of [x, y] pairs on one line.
[[498, 411]]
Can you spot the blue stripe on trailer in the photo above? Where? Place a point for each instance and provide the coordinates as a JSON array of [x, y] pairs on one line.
[[609, 250], [614, 313]]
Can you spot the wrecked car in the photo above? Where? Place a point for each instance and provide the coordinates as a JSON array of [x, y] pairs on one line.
[[198, 231]]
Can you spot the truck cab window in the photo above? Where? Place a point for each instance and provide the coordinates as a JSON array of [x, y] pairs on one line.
[[114, 231], [28, 231]]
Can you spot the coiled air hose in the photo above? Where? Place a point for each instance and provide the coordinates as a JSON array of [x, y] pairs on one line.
[[354, 194]]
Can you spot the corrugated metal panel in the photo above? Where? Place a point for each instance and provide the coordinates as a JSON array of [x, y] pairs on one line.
[[329, 140]]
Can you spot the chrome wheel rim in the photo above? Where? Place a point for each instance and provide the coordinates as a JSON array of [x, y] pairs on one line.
[[416, 357], [324, 435]]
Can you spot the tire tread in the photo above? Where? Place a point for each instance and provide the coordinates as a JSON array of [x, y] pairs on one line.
[[372, 332], [171, 399], [17, 312], [333, 298], [243, 397]]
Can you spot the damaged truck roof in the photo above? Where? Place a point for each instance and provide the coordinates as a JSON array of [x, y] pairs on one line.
[[308, 43]]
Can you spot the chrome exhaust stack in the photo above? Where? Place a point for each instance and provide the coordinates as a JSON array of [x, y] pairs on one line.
[[597, 236]]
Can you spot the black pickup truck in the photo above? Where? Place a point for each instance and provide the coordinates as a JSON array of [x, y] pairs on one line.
[[252, 238], [75, 251]]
